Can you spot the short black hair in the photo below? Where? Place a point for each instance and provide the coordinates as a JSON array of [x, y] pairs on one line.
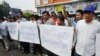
[[45, 12], [67, 12], [36, 17], [61, 17], [80, 11], [88, 12], [31, 15], [2, 18], [52, 12], [21, 12], [16, 16], [60, 12]]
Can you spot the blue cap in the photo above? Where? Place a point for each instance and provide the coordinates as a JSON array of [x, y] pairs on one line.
[[89, 8]]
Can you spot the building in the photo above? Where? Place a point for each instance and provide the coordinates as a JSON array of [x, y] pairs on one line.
[[70, 5]]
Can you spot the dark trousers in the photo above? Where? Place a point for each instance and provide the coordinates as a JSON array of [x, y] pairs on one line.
[[37, 48], [79, 55], [2, 42], [9, 37], [73, 52], [51, 54], [42, 50], [26, 46], [76, 54]]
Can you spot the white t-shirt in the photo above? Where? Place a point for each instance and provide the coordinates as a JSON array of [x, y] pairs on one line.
[[86, 37], [21, 20], [4, 28], [66, 22]]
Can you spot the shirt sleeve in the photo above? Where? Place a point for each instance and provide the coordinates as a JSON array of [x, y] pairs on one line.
[[98, 28]]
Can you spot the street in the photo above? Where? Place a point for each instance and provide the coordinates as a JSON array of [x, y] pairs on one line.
[[13, 51]]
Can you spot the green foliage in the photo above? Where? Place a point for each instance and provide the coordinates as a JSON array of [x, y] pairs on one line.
[[27, 15], [4, 9]]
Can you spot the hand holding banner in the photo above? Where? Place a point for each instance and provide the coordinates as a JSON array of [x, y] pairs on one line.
[[28, 32], [13, 30], [57, 39]]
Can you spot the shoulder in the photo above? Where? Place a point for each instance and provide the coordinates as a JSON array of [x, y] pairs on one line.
[[80, 22], [49, 21], [96, 23], [24, 18]]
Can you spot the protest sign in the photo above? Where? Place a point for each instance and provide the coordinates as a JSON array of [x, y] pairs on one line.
[[98, 44], [0, 37], [57, 39], [28, 32], [13, 30]]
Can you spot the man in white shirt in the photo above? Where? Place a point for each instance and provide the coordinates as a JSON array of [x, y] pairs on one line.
[[4, 34], [21, 17], [24, 45], [86, 30]]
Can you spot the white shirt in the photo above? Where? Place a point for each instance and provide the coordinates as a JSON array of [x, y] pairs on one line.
[[3, 27], [86, 37], [66, 22], [21, 20]]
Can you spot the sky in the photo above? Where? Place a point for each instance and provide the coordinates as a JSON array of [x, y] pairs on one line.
[[22, 4]]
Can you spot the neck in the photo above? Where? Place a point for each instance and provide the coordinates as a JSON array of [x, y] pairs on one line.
[[61, 24], [89, 21]]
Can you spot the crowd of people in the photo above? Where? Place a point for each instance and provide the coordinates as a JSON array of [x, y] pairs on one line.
[[85, 29]]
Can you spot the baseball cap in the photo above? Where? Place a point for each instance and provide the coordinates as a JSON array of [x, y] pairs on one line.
[[89, 8]]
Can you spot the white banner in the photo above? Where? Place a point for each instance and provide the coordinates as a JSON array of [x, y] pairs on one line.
[[0, 37], [57, 39], [28, 32], [98, 44], [0, 31], [13, 30]]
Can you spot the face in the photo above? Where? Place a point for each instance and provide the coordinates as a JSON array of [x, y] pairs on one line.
[[54, 16], [59, 22], [59, 14], [32, 18], [17, 17], [20, 15], [0, 20], [88, 17], [8, 19], [78, 16], [11, 20], [45, 16]]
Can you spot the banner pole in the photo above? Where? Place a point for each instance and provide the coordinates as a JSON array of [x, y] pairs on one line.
[[40, 39], [18, 43], [18, 32]]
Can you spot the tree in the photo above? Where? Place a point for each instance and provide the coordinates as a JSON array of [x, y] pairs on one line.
[[27, 14], [4, 9], [1, 11]]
